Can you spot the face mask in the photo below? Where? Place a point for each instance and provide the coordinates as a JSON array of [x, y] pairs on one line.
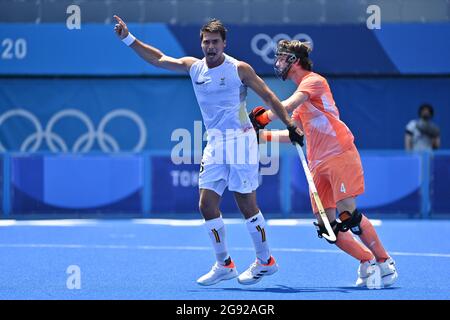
[[283, 62]]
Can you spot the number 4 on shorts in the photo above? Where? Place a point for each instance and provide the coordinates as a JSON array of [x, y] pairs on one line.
[[342, 188]]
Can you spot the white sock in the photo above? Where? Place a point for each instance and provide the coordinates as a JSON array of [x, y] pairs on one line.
[[216, 231], [255, 226]]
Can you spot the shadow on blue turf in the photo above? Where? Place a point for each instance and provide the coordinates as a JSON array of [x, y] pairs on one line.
[[366, 289], [287, 289]]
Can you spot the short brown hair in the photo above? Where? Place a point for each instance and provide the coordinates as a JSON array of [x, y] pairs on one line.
[[301, 51], [214, 26]]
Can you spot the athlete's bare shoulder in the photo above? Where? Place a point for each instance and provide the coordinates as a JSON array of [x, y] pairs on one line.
[[188, 62], [245, 71], [242, 65]]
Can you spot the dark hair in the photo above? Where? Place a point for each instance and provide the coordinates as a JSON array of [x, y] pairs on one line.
[[214, 26], [301, 51], [426, 106]]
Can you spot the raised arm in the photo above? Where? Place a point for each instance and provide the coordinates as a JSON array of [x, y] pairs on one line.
[[150, 54]]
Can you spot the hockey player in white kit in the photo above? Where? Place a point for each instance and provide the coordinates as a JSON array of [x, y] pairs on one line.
[[220, 83]]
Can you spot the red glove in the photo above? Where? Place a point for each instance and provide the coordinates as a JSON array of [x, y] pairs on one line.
[[259, 118]]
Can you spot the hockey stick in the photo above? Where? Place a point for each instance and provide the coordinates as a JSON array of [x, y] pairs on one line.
[[312, 187]]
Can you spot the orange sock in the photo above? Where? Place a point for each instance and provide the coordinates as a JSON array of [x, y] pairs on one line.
[[353, 247], [370, 238]]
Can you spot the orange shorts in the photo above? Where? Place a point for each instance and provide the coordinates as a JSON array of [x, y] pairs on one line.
[[338, 178]]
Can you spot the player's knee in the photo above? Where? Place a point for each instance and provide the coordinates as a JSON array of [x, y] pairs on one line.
[[350, 221], [207, 209], [247, 205], [249, 210], [322, 230], [203, 206]]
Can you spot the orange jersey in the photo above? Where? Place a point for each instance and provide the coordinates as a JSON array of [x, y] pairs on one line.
[[326, 135]]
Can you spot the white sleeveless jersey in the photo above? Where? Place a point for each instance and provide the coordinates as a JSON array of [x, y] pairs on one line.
[[221, 96]]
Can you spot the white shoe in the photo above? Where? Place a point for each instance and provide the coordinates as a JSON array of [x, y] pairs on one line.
[[388, 272], [257, 271], [218, 273], [369, 274]]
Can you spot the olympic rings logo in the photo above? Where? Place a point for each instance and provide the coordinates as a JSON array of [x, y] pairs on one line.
[[265, 46], [84, 142]]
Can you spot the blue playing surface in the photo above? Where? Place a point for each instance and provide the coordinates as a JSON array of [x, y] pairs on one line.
[[128, 259]]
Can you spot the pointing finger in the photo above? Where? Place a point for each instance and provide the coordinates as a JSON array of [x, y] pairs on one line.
[[118, 19]]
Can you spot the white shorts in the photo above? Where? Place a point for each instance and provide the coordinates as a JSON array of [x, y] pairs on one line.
[[232, 163]]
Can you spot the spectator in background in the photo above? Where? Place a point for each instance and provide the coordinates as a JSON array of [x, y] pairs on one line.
[[423, 134]]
